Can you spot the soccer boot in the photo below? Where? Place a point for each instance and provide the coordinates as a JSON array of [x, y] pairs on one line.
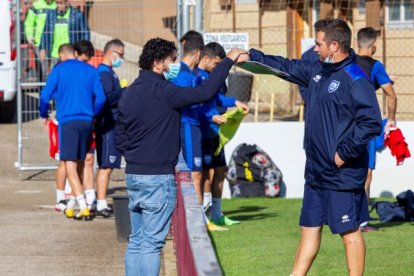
[[225, 221], [212, 227], [105, 213], [61, 206], [83, 214], [70, 213]]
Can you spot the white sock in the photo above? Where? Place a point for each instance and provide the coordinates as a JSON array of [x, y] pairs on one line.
[[81, 201], [90, 196], [207, 200], [216, 209], [101, 204], [68, 188], [71, 203], [60, 195]]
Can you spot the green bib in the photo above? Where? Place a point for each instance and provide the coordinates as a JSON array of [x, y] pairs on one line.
[[61, 33]]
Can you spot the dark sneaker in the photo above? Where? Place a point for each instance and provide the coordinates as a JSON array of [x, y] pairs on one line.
[[105, 213], [61, 206]]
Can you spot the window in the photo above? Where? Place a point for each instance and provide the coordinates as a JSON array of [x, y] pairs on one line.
[[400, 14], [361, 7]]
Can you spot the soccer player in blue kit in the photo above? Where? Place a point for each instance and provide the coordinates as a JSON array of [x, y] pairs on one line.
[[342, 116], [210, 119], [367, 45]]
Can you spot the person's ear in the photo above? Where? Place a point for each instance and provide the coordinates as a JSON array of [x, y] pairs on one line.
[[158, 65]]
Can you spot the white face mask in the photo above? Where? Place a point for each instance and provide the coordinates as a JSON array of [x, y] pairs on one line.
[[328, 59]]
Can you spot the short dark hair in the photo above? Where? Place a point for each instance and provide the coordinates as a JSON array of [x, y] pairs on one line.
[[320, 25], [66, 48], [84, 47], [366, 37], [212, 50], [156, 49], [339, 31], [113, 43], [191, 34], [192, 45]]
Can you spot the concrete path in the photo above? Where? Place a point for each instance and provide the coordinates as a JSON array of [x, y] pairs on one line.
[[35, 240]]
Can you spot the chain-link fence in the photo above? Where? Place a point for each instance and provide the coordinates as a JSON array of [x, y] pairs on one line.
[[286, 28], [72, 20]]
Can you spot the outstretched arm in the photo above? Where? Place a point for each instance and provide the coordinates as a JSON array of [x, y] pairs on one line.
[[300, 71]]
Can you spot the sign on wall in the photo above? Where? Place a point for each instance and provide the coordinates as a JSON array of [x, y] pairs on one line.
[[228, 40]]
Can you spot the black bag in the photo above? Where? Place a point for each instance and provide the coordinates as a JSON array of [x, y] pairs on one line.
[[400, 210], [252, 173], [389, 211]]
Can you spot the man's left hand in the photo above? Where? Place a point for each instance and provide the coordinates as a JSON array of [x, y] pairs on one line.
[[338, 161]]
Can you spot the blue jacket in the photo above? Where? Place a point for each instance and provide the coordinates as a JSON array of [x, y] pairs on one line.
[[110, 82], [148, 126], [312, 56], [215, 106], [187, 78], [77, 90], [342, 115], [78, 28]]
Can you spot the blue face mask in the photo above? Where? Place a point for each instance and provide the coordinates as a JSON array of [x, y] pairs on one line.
[[173, 70], [117, 62]]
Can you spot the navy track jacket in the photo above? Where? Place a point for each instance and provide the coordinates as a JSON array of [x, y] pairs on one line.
[[148, 126], [342, 115]]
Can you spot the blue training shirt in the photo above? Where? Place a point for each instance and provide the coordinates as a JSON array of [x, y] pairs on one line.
[[379, 75], [77, 90], [216, 106], [187, 78]]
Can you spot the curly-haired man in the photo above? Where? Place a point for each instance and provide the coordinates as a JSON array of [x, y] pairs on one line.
[[147, 133]]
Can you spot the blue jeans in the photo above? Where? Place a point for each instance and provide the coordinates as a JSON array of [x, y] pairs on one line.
[[152, 199]]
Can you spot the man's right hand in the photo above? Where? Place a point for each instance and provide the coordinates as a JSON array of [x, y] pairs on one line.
[[218, 119], [235, 54], [47, 123]]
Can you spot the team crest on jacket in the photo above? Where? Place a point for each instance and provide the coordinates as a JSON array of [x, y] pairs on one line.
[[333, 86], [112, 158], [197, 161]]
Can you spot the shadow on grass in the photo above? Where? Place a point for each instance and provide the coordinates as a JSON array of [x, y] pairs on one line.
[[245, 209], [383, 225], [254, 216]]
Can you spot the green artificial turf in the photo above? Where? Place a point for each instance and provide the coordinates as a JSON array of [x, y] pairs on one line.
[[265, 242]]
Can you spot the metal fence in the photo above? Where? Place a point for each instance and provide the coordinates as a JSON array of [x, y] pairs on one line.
[[129, 20]]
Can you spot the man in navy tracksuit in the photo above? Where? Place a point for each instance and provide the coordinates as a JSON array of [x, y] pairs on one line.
[[109, 157], [342, 115], [148, 135]]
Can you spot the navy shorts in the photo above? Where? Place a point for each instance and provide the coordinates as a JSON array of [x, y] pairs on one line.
[[74, 140], [191, 146], [372, 154], [108, 155], [341, 210], [209, 148]]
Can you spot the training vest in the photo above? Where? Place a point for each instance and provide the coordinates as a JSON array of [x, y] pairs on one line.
[[367, 63], [61, 33], [36, 19]]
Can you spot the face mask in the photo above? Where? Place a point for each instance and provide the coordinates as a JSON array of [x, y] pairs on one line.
[[328, 59], [173, 70], [117, 62]]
